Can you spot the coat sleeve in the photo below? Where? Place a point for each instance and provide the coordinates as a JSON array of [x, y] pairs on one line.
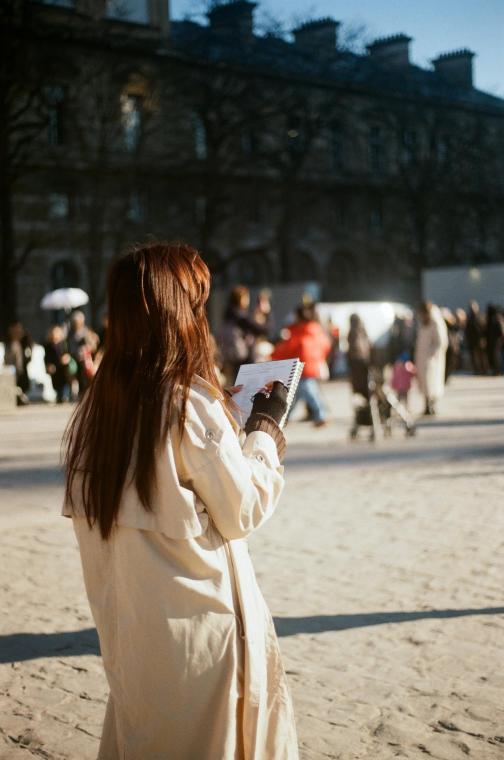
[[239, 486]]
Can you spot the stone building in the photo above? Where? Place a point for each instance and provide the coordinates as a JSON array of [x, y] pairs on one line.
[[283, 160]]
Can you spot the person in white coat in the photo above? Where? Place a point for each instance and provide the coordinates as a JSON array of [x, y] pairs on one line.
[[163, 490], [430, 354]]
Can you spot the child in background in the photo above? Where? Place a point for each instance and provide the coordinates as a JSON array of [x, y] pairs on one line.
[[402, 375]]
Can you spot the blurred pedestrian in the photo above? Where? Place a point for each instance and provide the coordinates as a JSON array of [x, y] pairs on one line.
[[358, 356], [475, 339], [333, 332], [401, 338], [464, 357], [82, 346], [307, 340], [403, 373], [494, 334], [430, 355], [57, 360], [453, 347], [162, 496], [262, 314], [18, 353], [238, 333]]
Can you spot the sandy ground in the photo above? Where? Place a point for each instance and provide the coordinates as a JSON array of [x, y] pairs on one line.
[[383, 567]]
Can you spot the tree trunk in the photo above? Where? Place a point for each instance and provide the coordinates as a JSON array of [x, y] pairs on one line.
[[8, 274]]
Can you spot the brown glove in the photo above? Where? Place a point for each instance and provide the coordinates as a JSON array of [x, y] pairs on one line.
[[267, 412]]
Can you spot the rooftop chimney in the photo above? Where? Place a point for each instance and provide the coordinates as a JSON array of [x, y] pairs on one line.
[[392, 51], [319, 35], [235, 17], [159, 12], [456, 67]]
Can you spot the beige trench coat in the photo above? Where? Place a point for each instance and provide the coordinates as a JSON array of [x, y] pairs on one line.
[[187, 641], [430, 356]]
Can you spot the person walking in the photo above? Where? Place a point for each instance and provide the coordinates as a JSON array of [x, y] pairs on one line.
[[359, 356], [239, 333], [18, 354], [307, 340], [82, 346], [475, 339], [494, 339], [57, 359], [430, 355], [162, 496]]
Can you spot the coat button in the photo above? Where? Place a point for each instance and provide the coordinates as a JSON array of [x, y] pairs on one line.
[[210, 435]]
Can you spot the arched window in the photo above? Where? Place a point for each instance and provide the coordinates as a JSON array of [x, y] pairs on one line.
[[134, 97]]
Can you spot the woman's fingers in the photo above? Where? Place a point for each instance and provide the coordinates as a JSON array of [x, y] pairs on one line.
[[231, 390]]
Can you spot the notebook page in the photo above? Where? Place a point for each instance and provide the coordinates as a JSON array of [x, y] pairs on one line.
[[253, 377]]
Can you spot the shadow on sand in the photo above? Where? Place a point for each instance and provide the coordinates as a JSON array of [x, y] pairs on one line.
[[322, 623], [18, 647]]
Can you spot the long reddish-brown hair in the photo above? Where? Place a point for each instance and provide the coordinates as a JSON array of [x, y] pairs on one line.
[[157, 340]]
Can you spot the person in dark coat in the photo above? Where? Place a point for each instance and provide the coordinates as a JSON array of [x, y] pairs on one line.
[[494, 339], [359, 356], [238, 333], [56, 361], [475, 339], [453, 349]]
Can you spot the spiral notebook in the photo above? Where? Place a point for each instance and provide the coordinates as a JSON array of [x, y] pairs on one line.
[[253, 377]]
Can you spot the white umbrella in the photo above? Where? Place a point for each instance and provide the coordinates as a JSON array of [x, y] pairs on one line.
[[64, 298]]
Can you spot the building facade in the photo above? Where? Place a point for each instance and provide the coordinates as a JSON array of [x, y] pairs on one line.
[[282, 160]]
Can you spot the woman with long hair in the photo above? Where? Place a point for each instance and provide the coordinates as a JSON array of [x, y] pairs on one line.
[[162, 494]]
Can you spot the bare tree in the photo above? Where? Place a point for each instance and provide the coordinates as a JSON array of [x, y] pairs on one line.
[[111, 109], [23, 118]]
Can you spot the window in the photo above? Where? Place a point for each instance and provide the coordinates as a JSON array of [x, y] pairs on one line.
[[136, 208], [128, 10], [59, 206], [410, 145], [200, 138], [442, 148], [131, 117], [54, 97], [376, 150]]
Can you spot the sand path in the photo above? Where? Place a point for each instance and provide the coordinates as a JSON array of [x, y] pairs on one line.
[[384, 569]]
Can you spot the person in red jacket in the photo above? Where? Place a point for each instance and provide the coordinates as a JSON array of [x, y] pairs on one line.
[[307, 340]]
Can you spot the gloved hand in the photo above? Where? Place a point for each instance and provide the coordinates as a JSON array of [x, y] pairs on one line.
[[274, 404]]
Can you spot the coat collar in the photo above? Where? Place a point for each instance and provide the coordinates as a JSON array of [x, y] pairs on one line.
[[216, 392]]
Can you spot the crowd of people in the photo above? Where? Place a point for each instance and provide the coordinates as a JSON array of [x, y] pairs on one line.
[[249, 336], [71, 355], [429, 348]]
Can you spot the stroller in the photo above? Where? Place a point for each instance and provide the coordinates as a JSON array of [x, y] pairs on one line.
[[378, 408]]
